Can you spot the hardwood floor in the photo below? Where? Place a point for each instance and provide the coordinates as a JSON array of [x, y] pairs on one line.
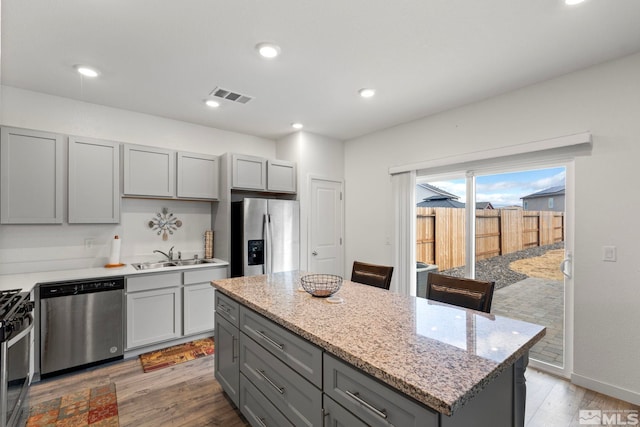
[[188, 395], [182, 395], [552, 401]]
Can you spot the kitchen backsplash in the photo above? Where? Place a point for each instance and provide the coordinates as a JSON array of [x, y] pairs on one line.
[[32, 248]]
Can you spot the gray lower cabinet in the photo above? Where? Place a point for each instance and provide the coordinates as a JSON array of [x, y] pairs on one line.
[[199, 299], [371, 401], [337, 416], [299, 400], [169, 305], [94, 181], [31, 177], [228, 309], [154, 308], [298, 353], [257, 409], [277, 386], [227, 362]]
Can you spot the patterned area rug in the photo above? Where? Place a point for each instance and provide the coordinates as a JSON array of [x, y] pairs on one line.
[[181, 353], [96, 407]]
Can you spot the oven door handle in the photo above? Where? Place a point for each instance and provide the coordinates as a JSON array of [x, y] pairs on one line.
[[22, 333]]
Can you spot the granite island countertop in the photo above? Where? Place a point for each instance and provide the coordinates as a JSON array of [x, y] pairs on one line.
[[438, 354]]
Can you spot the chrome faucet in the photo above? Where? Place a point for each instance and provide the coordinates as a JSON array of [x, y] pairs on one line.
[[169, 256]]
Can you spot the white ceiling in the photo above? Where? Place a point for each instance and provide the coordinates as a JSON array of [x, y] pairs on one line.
[[163, 57]]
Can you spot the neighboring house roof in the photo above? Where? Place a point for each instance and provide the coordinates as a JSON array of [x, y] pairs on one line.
[[484, 205], [441, 202], [438, 191], [551, 191]]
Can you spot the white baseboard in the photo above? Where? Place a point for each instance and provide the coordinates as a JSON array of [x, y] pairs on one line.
[[608, 389]]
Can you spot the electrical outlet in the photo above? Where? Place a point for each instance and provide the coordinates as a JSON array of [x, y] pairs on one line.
[[609, 253], [89, 242]]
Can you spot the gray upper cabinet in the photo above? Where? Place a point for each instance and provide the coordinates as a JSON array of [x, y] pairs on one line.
[[198, 176], [260, 174], [249, 172], [94, 181], [30, 177], [281, 176], [149, 171]]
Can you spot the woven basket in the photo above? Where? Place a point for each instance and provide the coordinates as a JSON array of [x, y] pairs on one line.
[[321, 285]]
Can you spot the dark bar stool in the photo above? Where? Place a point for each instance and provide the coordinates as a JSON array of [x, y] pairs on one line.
[[467, 293], [371, 274]]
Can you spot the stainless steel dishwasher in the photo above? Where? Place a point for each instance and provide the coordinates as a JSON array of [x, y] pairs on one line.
[[81, 323]]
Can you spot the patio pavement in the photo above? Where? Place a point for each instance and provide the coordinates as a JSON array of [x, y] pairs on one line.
[[538, 301]]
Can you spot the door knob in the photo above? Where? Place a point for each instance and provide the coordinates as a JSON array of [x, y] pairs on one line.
[[314, 253]]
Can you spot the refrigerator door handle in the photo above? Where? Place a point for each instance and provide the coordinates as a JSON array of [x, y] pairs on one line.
[[270, 245], [265, 238]]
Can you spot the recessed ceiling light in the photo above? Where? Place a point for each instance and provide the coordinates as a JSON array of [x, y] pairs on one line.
[[268, 50], [87, 71], [297, 125], [211, 103], [366, 93], [572, 2]]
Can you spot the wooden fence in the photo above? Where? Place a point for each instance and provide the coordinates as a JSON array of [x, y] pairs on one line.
[[440, 233]]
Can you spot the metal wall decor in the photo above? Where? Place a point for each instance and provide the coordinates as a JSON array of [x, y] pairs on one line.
[[165, 222]]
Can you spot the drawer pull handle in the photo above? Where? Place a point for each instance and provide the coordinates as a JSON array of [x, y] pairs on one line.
[[356, 396], [274, 385], [224, 308], [233, 348], [270, 340], [262, 423]]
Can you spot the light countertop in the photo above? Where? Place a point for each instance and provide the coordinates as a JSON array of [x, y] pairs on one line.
[[438, 354], [27, 281]]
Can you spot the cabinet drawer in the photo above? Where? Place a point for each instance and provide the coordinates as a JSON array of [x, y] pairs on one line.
[[226, 361], [297, 399], [201, 275], [337, 416], [376, 404], [257, 409], [297, 353], [153, 281], [227, 308]]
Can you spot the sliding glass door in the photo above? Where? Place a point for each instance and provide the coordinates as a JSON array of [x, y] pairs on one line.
[[507, 225]]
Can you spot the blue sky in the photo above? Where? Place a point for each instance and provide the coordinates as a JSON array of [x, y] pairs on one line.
[[507, 188]]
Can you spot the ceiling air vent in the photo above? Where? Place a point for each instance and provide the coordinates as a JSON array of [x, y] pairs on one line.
[[230, 95]]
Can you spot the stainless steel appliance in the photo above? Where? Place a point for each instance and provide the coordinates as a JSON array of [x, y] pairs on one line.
[[81, 323], [264, 236], [16, 324]]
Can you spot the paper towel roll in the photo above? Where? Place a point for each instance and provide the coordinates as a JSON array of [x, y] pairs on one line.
[[114, 258]]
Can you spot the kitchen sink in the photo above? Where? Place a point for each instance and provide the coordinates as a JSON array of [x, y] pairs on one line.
[[153, 265], [164, 264], [192, 261]]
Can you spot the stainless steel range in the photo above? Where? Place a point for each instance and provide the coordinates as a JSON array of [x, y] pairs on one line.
[[16, 324]]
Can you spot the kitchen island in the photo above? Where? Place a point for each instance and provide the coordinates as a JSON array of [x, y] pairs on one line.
[[446, 365]]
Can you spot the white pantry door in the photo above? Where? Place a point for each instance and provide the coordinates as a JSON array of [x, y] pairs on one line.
[[325, 227]]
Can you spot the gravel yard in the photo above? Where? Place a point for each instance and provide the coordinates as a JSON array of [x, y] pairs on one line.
[[497, 268]]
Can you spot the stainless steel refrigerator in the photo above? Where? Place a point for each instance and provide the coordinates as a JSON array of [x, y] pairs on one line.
[[265, 236]]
